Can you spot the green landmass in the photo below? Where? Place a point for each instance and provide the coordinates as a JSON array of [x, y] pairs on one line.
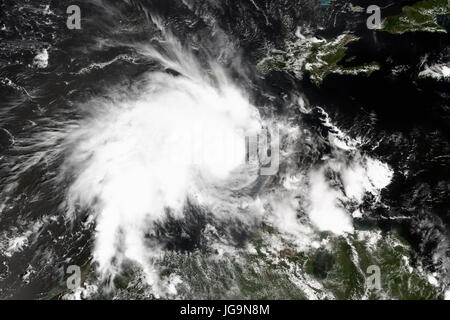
[[339, 270], [318, 57], [272, 267], [421, 16]]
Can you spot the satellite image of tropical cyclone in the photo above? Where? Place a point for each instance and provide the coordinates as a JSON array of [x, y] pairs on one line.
[[222, 149]]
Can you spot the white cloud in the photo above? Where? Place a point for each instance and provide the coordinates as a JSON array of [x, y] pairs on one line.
[[325, 212]]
